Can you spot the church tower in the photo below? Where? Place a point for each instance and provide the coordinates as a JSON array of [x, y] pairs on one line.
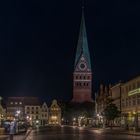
[[82, 76]]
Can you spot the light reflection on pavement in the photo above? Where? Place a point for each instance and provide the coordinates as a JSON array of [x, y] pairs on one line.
[[75, 133]]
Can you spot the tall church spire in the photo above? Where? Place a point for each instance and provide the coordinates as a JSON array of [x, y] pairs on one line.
[[82, 46], [82, 76]]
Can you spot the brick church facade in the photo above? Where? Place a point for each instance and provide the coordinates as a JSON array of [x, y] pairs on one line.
[[82, 76]]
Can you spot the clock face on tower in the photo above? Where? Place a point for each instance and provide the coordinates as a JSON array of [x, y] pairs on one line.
[[82, 66]]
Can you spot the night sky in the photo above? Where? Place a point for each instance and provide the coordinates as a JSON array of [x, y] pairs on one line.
[[38, 40]]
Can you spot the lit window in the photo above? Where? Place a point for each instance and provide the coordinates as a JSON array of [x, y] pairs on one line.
[[20, 103], [11, 103], [15, 103]]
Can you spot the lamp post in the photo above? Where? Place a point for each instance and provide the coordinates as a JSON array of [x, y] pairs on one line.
[[18, 114], [74, 121]]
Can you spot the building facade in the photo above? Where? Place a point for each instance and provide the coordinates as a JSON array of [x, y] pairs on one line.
[[28, 109], [126, 96], [130, 103], [44, 114], [15, 108], [54, 114], [33, 114], [82, 76]]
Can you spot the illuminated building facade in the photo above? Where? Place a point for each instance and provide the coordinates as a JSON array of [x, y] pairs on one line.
[[14, 104], [130, 103], [27, 108], [54, 114], [44, 114]]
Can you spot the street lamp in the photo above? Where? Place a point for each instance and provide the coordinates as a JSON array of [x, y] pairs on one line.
[[18, 114], [74, 119]]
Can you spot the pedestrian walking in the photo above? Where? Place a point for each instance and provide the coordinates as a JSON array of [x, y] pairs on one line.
[[12, 130]]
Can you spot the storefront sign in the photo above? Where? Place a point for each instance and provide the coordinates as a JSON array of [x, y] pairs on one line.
[[133, 92]]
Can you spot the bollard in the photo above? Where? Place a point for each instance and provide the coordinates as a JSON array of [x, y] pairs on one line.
[[11, 136]]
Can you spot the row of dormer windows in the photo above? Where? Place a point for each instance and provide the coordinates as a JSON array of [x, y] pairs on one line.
[[16, 103]]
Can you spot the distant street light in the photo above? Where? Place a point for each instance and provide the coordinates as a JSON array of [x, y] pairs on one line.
[[74, 119]]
